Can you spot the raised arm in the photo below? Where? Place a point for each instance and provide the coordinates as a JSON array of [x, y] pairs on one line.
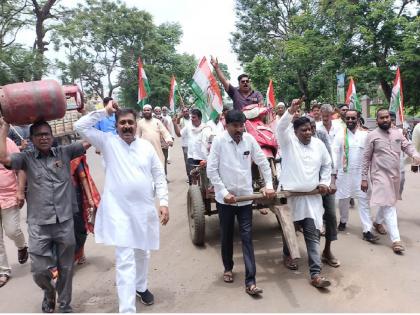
[[85, 126], [5, 158], [284, 123], [215, 63]]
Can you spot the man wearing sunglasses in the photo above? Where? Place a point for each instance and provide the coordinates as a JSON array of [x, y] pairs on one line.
[[242, 95], [348, 147]]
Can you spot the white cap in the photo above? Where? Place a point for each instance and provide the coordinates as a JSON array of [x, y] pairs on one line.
[[147, 106]]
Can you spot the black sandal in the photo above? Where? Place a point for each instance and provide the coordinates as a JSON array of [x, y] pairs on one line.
[[4, 278], [228, 276], [48, 303]]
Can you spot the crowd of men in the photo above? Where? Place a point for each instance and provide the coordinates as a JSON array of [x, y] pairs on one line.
[[327, 153]]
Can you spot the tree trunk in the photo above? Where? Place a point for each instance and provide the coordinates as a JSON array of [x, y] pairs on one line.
[[41, 14], [387, 89]]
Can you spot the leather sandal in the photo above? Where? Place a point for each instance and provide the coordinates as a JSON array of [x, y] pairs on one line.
[[48, 303], [320, 282], [379, 228], [253, 290], [228, 276], [23, 255], [290, 263], [398, 247], [4, 278]]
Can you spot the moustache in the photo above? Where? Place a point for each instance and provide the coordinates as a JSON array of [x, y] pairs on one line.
[[127, 129]]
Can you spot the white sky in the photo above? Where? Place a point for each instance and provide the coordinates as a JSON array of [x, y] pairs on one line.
[[206, 27]]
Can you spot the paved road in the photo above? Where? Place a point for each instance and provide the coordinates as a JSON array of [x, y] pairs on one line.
[[185, 278]]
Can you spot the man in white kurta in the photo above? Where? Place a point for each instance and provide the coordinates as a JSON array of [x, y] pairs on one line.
[[127, 218], [348, 148], [306, 165]]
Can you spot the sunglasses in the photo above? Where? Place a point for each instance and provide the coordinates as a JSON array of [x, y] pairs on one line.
[[351, 118], [245, 81]]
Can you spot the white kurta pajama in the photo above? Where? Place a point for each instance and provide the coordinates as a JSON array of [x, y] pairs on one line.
[[127, 217], [304, 168], [348, 182]]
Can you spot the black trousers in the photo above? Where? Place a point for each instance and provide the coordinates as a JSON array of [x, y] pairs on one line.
[[165, 154], [243, 214]]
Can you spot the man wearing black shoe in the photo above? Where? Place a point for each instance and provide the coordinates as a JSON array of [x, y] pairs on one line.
[[12, 186], [127, 216], [348, 147], [51, 205], [381, 160]]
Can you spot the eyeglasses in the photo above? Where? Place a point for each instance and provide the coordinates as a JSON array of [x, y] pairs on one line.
[[245, 81], [42, 135], [351, 118]]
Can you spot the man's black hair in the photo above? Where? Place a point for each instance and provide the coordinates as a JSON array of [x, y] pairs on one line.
[[359, 114], [243, 75], [106, 100], [381, 110], [300, 122], [124, 111], [235, 116], [38, 124], [342, 105], [196, 112]]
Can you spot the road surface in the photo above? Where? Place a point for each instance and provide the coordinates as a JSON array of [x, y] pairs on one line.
[[185, 278]]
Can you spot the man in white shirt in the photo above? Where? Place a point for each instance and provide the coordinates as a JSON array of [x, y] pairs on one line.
[[306, 165], [170, 126], [183, 121], [199, 136], [229, 170], [327, 124], [348, 148], [127, 217]]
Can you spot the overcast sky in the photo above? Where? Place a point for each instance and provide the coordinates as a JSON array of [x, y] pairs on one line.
[[206, 26]]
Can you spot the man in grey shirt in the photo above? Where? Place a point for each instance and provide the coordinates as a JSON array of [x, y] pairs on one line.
[[51, 203], [242, 95]]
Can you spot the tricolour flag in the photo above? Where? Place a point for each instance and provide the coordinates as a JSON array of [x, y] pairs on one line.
[[396, 104], [172, 94], [351, 98], [144, 88], [206, 89], [270, 98]]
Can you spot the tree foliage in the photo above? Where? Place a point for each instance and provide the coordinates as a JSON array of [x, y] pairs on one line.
[[302, 45]]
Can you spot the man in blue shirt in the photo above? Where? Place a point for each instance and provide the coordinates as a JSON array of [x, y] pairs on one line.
[[107, 124]]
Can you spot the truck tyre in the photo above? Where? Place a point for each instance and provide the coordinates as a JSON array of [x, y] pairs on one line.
[[196, 218]]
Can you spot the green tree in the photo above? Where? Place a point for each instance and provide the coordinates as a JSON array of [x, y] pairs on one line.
[[307, 42]]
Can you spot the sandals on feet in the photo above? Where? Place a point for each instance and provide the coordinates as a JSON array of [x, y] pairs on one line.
[[330, 260], [4, 279], [228, 276], [290, 263], [48, 303], [379, 228], [253, 290], [398, 247], [320, 282]]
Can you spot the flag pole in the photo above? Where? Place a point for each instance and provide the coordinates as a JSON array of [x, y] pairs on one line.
[[181, 99]]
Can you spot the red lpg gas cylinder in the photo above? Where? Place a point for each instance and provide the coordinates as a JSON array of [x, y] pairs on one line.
[[28, 102]]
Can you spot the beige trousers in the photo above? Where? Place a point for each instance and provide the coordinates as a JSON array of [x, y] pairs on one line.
[[10, 223]]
